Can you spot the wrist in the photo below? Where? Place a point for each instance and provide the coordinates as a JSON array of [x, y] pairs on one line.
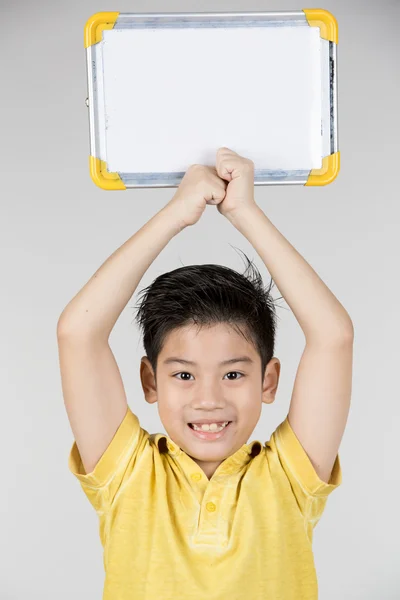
[[243, 213], [174, 220]]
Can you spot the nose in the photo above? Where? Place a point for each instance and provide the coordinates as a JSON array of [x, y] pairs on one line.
[[208, 396]]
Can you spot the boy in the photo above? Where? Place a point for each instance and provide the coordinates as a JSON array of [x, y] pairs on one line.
[[199, 513]]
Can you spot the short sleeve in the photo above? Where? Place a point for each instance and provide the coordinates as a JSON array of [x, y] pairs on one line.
[[310, 491], [114, 466]]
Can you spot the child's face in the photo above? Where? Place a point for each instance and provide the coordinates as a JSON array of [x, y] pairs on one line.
[[188, 393]]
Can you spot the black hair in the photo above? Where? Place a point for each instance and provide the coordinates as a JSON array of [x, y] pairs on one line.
[[207, 295]]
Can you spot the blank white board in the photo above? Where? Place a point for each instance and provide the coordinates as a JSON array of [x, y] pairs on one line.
[[166, 91]]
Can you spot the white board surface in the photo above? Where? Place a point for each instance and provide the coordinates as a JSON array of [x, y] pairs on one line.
[[173, 96]]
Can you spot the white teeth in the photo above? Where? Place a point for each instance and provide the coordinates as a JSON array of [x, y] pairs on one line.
[[210, 427]]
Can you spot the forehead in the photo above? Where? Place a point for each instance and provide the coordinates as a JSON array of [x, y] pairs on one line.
[[220, 341]]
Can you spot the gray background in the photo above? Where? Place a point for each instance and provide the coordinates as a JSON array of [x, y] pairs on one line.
[[57, 228]]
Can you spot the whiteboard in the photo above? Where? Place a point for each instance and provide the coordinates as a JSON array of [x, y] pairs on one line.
[[167, 91]]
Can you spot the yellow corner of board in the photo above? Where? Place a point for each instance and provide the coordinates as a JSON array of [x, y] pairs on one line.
[[95, 26], [318, 17], [103, 178], [328, 172]]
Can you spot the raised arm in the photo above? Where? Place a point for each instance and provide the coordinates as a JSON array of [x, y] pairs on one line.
[[93, 391], [321, 395]]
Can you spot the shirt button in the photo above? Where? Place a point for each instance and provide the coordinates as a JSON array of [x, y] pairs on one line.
[[210, 506], [196, 476]]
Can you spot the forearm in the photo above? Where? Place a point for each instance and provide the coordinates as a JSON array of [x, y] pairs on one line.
[[318, 311], [96, 308]]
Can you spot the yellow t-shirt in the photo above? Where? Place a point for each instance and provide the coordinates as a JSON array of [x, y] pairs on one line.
[[169, 532]]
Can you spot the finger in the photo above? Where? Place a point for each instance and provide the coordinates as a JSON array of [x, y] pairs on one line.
[[224, 173]]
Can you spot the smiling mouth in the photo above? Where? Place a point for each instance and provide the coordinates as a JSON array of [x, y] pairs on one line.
[[210, 434]]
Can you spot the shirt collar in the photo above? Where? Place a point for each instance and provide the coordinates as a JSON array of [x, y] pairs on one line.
[[232, 463]]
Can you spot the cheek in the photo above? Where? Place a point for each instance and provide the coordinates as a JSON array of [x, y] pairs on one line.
[[250, 407], [170, 411]]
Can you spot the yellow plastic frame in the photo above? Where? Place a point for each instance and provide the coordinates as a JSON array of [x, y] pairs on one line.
[[95, 26], [103, 178], [318, 17], [327, 173]]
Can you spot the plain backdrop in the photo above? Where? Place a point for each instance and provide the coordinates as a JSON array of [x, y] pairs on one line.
[[57, 228]]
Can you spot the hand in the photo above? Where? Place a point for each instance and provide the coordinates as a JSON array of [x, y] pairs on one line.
[[239, 171], [200, 186]]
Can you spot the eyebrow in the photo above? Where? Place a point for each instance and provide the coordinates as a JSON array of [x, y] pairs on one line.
[[173, 359]]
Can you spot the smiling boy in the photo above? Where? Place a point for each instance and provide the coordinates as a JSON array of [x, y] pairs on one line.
[[200, 512]]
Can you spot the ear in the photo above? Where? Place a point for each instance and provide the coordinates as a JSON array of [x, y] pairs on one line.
[[271, 380], [148, 380]]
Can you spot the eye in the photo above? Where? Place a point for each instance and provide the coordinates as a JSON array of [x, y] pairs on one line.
[[186, 373]]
